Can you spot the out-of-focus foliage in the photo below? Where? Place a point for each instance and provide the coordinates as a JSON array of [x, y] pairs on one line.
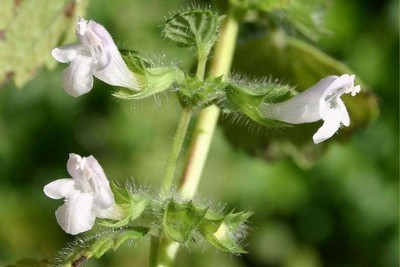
[[343, 211], [28, 32]]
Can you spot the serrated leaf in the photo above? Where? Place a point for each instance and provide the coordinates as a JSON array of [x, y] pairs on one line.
[[29, 31], [96, 245], [180, 219], [196, 29], [302, 65]]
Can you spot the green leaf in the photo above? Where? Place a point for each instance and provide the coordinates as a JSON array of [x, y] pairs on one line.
[[195, 29], [132, 204], [300, 17], [246, 98], [302, 65], [121, 194], [96, 245], [225, 232], [29, 30], [152, 80], [180, 219], [198, 94]]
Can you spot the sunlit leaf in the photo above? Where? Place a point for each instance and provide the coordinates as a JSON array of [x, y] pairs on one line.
[[29, 30]]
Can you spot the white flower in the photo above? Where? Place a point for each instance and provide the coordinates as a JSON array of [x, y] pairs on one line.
[[322, 101], [87, 195], [97, 55]]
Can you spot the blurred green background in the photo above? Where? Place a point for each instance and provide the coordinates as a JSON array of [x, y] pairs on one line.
[[343, 211]]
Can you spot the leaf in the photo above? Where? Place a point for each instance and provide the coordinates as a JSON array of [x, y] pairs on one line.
[[225, 231], [29, 30], [198, 94], [96, 245], [301, 17], [195, 29], [246, 98], [180, 219], [297, 63], [152, 79], [133, 205]]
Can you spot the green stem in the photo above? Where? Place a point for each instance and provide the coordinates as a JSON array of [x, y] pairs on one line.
[[204, 130], [176, 149], [154, 243], [201, 65], [208, 117]]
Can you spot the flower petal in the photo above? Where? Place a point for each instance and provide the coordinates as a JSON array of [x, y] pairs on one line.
[[113, 212], [93, 164], [117, 73], [66, 53], [344, 115], [110, 67], [59, 188], [88, 173], [76, 215], [327, 130], [75, 165], [77, 78], [104, 197]]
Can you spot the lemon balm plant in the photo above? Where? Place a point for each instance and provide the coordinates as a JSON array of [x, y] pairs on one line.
[[172, 217]]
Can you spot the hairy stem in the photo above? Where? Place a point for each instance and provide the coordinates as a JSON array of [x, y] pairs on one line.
[[176, 149], [204, 131], [208, 117]]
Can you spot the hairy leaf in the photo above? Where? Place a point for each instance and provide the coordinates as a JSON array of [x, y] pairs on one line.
[[152, 79], [225, 231], [199, 94], [246, 98], [195, 29], [180, 219], [133, 205], [96, 245]]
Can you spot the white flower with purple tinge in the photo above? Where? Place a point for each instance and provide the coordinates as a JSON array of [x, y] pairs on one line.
[[87, 195], [96, 55], [322, 101]]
